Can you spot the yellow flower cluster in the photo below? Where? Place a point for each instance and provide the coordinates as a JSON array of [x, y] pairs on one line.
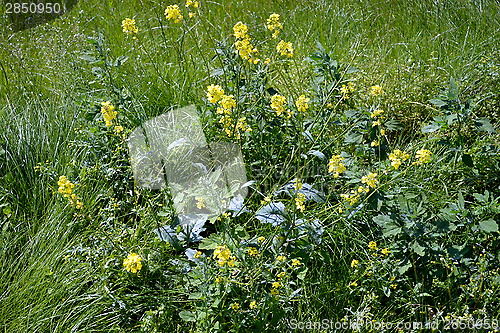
[[285, 49], [302, 103], [354, 263], [252, 251], [173, 13], [227, 102], [353, 197], [278, 104], [129, 27], [224, 257], [377, 90], [108, 112], [273, 23], [297, 184], [372, 245], [336, 166], [423, 156], [253, 304], [376, 113], [397, 157], [347, 90], [200, 202], [378, 121], [370, 180], [66, 188], [214, 93], [133, 263], [235, 306], [189, 3], [243, 44], [299, 202]]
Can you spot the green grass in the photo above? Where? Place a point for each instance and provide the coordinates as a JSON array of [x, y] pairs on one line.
[[46, 89]]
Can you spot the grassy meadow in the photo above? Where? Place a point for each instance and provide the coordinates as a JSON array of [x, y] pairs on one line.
[[369, 134]]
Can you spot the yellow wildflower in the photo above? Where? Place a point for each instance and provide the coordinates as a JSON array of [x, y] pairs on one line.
[[377, 90], [227, 102], [397, 157], [354, 263], [132, 263], [372, 245], [191, 2], [376, 113], [276, 285], [285, 49], [253, 304], [281, 258], [302, 103], [198, 254], [278, 103], [370, 179], [235, 306], [296, 262], [261, 239], [118, 129], [240, 30], [299, 202], [346, 90], [423, 156], [129, 27], [214, 93], [374, 143], [173, 13], [385, 251], [108, 113], [201, 202], [336, 166], [252, 251]]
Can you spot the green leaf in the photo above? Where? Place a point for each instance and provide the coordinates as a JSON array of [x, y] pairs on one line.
[[467, 160], [318, 154], [431, 128], [389, 226], [415, 246], [438, 102], [187, 316], [394, 125], [484, 125], [209, 243], [120, 61], [488, 226], [404, 268], [354, 138], [301, 274]]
